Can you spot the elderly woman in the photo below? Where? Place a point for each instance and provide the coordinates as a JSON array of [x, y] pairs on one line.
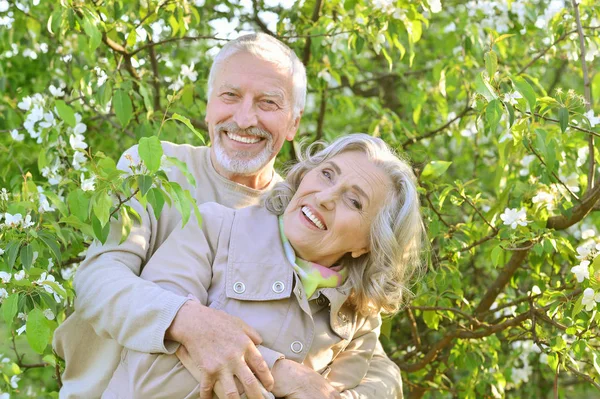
[[311, 270]]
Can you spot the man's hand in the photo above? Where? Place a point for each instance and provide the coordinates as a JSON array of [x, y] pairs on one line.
[[220, 347], [296, 381]]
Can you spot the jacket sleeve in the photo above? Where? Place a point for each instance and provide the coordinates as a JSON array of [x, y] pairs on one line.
[[380, 376], [110, 294], [383, 379]]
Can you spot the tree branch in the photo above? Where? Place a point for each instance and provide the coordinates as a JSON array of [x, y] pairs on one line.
[[557, 121], [553, 173], [315, 18], [589, 200], [174, 39], [413, 140], [321, 118]]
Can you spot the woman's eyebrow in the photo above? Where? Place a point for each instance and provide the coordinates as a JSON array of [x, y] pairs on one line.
[[337, 169]]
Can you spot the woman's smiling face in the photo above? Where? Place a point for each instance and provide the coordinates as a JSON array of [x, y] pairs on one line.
[[333, 209]]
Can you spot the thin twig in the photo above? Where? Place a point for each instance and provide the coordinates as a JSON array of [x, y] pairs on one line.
[[553, 173], [121, 202], [413, 140], [586, 92], [557, 121]]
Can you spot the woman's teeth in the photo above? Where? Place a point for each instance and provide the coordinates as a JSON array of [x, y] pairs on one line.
[[241, 139], [312, 218]]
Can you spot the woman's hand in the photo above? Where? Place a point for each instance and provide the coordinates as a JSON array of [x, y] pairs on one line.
[[219, 348], [296, 381]]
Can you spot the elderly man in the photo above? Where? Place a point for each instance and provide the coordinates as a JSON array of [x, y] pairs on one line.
[[256, 95]]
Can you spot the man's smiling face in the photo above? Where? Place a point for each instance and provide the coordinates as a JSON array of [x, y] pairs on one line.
[[249, 114]]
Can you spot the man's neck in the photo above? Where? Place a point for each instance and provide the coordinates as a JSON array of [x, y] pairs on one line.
[[258, 181]]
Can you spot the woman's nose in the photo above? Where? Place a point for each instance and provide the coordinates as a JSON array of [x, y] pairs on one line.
[[326, 199]]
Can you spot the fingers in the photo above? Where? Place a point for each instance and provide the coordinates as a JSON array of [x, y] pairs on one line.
[[227, 389], [250, 383], [206, 387], [258, 365], [252, 333]]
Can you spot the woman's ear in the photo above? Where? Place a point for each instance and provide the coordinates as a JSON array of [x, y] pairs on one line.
[[358, 253]]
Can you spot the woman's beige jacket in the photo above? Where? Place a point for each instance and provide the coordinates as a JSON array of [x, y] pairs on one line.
[[250, 278]]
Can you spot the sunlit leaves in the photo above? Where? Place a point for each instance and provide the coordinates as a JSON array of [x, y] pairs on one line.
[[150, 151], [123, 106]]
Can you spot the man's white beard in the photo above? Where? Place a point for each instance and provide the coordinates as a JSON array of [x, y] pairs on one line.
[[242, 163]]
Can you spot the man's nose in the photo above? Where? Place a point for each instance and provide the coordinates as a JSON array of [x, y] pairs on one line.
[[245, 114]]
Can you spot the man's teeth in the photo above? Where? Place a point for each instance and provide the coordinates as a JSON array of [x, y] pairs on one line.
[[246, 140], [312, 218]]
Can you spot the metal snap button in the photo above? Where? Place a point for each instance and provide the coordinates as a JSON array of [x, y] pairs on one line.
[[321, 300], [239, 287], [278, 287], [296, 346]]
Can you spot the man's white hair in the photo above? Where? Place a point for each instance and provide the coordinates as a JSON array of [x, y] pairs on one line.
[[267, 48]]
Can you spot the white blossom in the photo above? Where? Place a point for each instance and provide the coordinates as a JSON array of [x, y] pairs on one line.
[[44, 47], [16, 136], [20, 275], [79, 159], [48, 121], [140, 34], [535, 290], [7, 21], [585, 250], [545, 199], [581, 271], [589, 299], [50, 264], [512, 98], [4, 6], [46, 277], [525, 162], [56, 91], [571, 181], [513, 217], [25, 103], [88, 184], [67, 58], [1, 251], [3, 197], [21, 329], [3, 294], [77, 142], [177, 85], [13, 220], [49, 315], [188, 72], [80, 127], [5, 277], [435, 5], [14, 381], [27, 222], [594, 120]]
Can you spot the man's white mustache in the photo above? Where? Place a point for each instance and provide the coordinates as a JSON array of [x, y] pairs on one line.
[[233, 127]]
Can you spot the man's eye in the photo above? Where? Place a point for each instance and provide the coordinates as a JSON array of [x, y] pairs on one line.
[[229, 94]]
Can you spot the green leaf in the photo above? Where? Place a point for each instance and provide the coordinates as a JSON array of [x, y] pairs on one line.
[[503, 37], [563, 118], [595, 359], [65, 112], [12, 250], [189, 125], [181, 202], [157, 200], [55, 21], [10, 307], [182, 166], [50, 241], [578, 306], [493, 113], [497, 255], [131, 38], [26, 256], [100, 232], [482, 87], [491, 63], [431, 318], [79, 204], [435, 169], [38, 330], [122, 106], [101, 207], [386, 327], [125, 224], [144, 183], [90, 29], [526, 91], [57, 202], [151, 152]]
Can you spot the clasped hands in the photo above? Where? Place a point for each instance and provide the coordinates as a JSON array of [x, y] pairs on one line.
[[219, 350]]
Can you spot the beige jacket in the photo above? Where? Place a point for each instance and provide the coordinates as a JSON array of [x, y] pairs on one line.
[[116, 309], [250, 278]]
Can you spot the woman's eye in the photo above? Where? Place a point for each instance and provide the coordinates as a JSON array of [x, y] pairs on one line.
[[356, 204], [326, 173]]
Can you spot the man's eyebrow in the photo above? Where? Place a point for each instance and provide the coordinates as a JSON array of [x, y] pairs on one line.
[[276, 94], [228, 86], [337, 169]]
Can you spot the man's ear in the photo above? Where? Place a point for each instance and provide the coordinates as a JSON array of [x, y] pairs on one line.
[[359, 252], [294, 128]]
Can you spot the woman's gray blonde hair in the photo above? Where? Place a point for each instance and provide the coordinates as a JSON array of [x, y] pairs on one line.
[[379, 279]]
